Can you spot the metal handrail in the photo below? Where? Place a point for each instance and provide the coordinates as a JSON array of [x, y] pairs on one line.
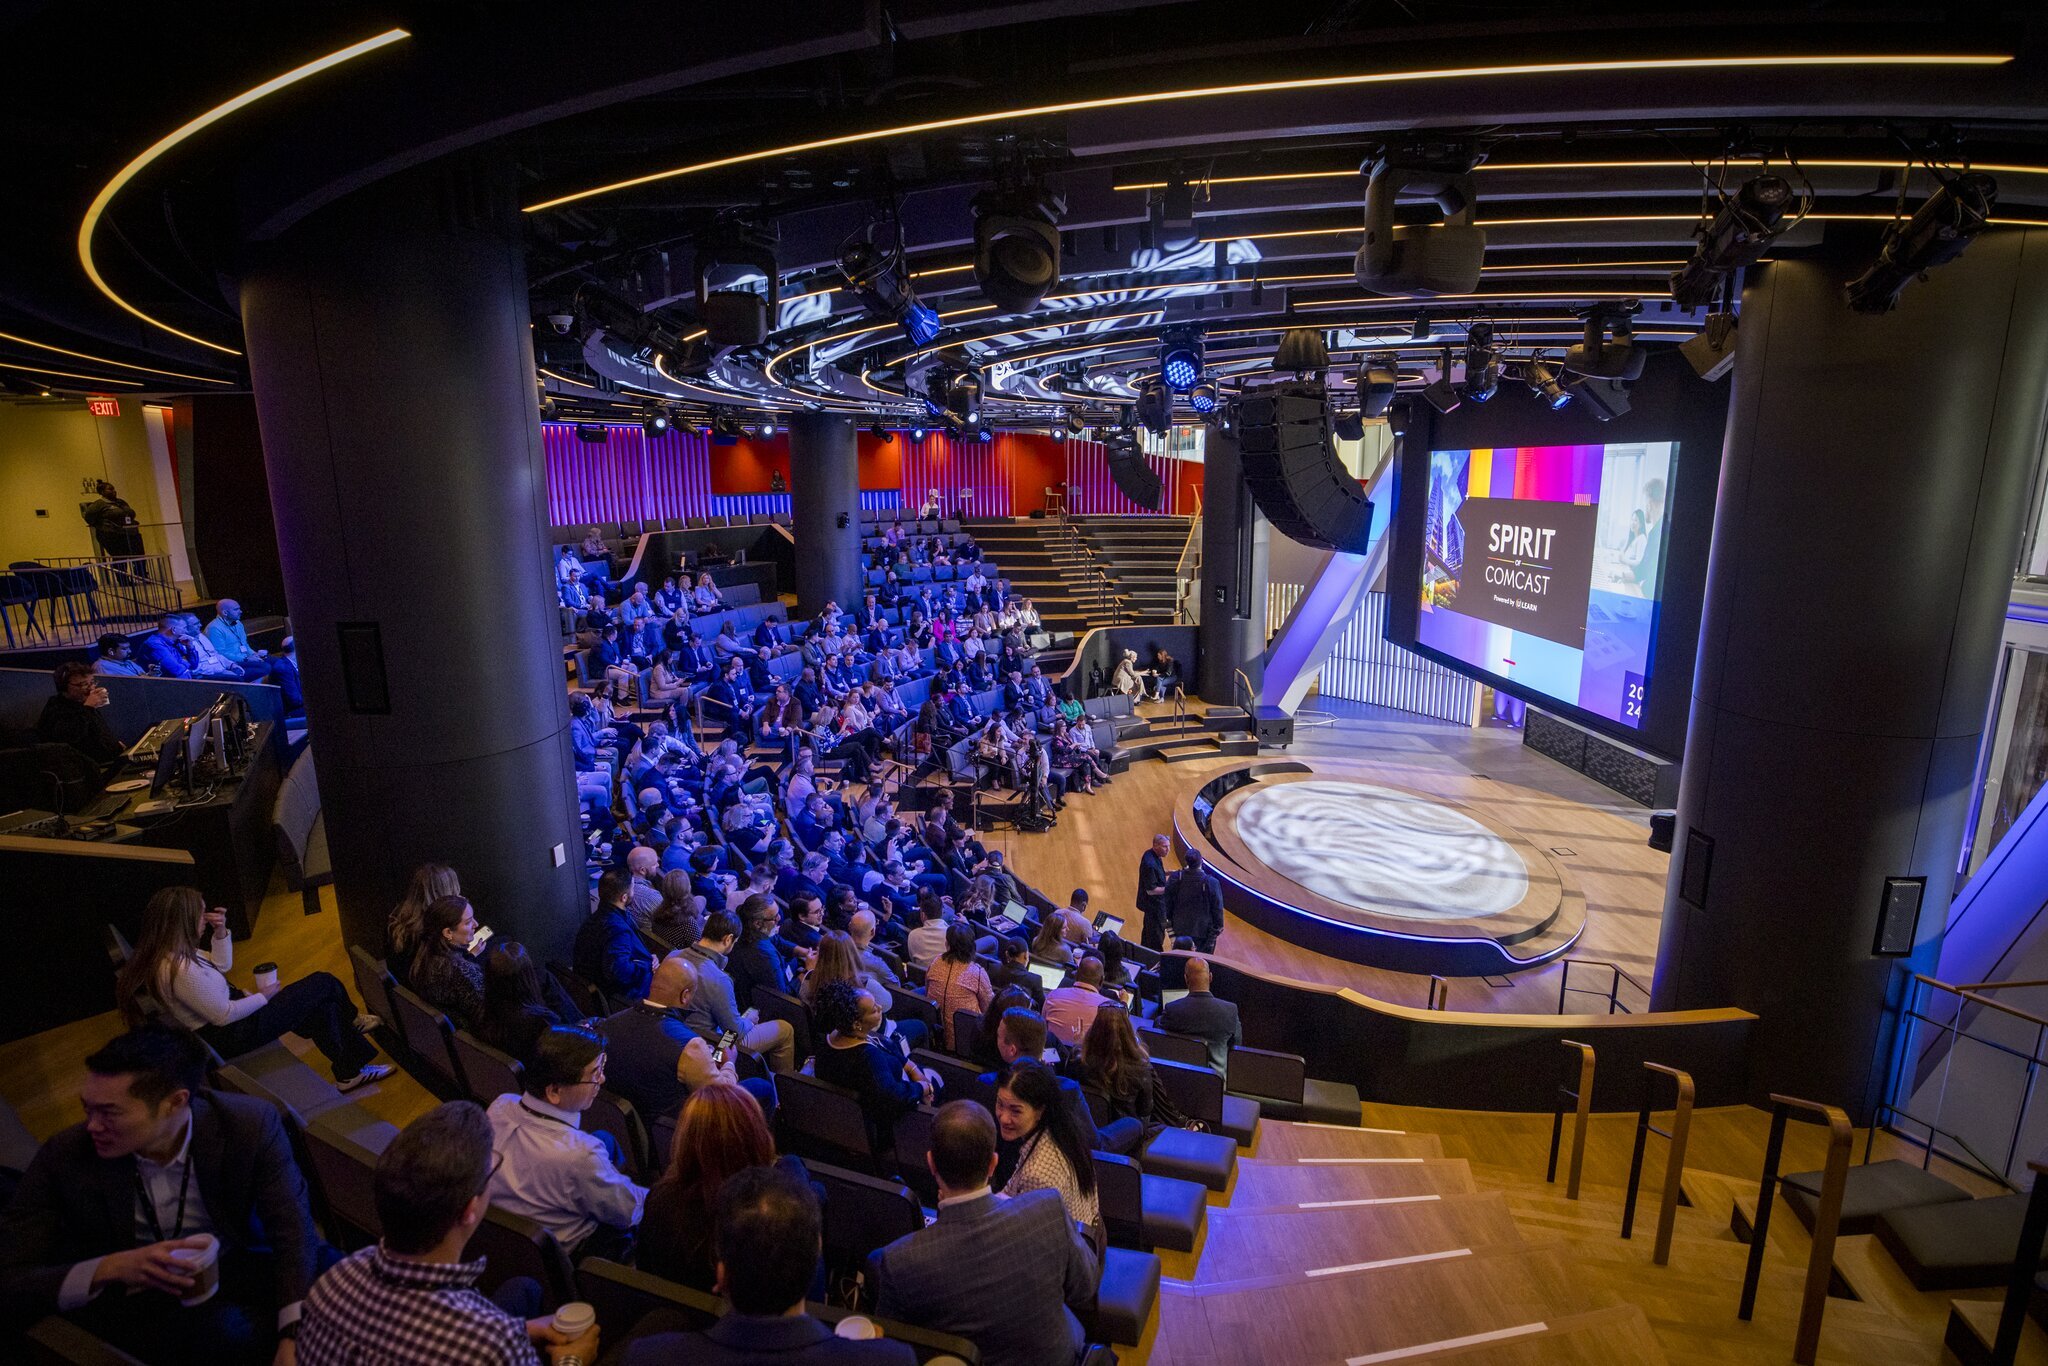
[[1674, 1163], [1891, 1108], [1583, 1096], [1827, 1217], [1614, 982], [2019, 1288], [1439, 993]]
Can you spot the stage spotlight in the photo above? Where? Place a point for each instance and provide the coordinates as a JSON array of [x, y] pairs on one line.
[[1542, 381], [882, 434], [689, 427], [1173, 215], [1420, 259], [1946, 223], [875, 276], [1482, 364], [653, 419], [1712, 352], [955, 393], [1155, 408], [1440, 392], [1348, 426], [1600, 358], [1302, 350], [984, 434], [1748, 222], [917, 433], [1180, 358], [1075, 423], [1017, 245], [1202, 398], [737, 317], [1059, 433], [767, 426], [1605, 399], [1377, 380]]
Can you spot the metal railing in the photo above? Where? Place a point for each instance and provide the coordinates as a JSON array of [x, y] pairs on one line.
[[1240, 680], [72, 600], [1674, 1163], [1581, 1095], [1439, 993], [1187, 574], [1614, 981], [2014, 1066], [1098, 593], [2019, 1286], [1827, 1217]]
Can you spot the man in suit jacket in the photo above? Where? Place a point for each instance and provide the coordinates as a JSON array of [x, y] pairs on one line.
[[1010, 1275], [93, 1227], [1194, 904], [768, 1238], [1152, 894], [609, 950], [1211, 1020]]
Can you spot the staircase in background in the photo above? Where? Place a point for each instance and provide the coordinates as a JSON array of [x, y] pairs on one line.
[[1047, 560]]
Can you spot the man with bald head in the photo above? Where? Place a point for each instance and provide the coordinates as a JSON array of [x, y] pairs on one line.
[[1009, 1275], [861, 927], [658, 1050], [230, 637], [644, 898], [1201, 1014]]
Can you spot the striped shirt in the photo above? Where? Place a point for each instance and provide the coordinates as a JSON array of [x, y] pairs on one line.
[[370, 1309]]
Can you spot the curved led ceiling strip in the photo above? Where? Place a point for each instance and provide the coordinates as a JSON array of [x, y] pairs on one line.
[[1366, 78], [68, 374], [101, 201], [103, 360]]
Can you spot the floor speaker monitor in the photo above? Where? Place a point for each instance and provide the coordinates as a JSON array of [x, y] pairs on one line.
[[1292, 469]]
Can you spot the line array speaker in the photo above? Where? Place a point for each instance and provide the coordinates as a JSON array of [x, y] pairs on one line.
[[1134, 476], [1293, 472]]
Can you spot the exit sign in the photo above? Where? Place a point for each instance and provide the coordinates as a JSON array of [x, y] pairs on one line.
[[104, 407]]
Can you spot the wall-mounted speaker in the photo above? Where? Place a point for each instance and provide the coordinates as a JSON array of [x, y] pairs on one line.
[[1293, 473]]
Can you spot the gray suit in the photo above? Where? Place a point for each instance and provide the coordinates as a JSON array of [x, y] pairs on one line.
[[1209, 1019], [1008, 1275]]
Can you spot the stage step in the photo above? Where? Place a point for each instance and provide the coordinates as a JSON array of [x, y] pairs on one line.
[[1264, 1183], [1338, 1145], [1346, 1234]]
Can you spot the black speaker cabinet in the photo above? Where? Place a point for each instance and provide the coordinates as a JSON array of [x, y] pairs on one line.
[[1293, 472], [1134, 476], [1640, 777], [1276, 730]]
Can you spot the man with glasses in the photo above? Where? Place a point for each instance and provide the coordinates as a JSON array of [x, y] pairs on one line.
[[552, 1172]]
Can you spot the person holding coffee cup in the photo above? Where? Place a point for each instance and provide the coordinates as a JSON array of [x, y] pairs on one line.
[[172, 1223], [412, 1296]]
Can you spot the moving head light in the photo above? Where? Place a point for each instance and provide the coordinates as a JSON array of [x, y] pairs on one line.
[[1017, 245], [1420, 259], [1600, 358]]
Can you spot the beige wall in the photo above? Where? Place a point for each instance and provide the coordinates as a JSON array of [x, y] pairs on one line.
[[46, 449]]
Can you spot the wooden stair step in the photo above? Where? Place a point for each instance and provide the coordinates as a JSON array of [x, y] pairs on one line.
[[1972, 1326], [1603, 1337], [1333, 1144], [1265, 1182], [1279, 1241]]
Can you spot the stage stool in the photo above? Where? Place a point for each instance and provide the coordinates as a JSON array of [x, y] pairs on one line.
[[1281, 1087], [1127, 1297], [1199, 1094], [1957, 1244], [1873, 1189]]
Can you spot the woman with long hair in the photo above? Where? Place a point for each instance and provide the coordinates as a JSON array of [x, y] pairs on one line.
[[678, 921], [443, 972], [1051, 945], [1050, 1151], [516, 1008], [720, 1133], [181, 959], [955, 981], [666, 685], [1116, 1066], [430, 881], [839, 961]]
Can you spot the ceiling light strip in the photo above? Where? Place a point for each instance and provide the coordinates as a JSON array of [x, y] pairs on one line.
[[1368, 78], [68, 374], [101, 201], [103, 360]]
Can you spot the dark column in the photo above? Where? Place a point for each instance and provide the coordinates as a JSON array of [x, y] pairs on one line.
[[388, 341], [1233, 588], [1872, 492], [824, 506]]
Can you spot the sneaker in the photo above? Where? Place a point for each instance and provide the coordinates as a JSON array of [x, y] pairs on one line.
[[366, 1022], [375, 1071]]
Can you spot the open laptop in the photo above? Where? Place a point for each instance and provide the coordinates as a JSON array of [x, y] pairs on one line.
[[1170, 995], [1106, 923], [1010, 919], [1049, 976]]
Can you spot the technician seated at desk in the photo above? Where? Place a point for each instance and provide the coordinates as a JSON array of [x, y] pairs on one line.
[[73, 716]]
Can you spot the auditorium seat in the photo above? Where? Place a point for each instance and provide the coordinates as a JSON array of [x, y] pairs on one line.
[[962, 1077], [489, 1072], [1280, 1085], [431, 1038], [1205, 1159], [1199, 1094], [780, 1005], [908, 1003], [817, 1119], [1184, 1049], [1127, 1297], [512, 1245], [1873, 1189], [1148, 1212], [344, 1167], [863, 1214], [57, 1341], [612, 1113], [910, 1143], [301, 831]]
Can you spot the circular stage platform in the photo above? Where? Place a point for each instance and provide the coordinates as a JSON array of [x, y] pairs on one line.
[[1375, 874]]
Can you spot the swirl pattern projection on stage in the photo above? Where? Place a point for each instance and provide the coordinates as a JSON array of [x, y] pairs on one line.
[[1382, 850]]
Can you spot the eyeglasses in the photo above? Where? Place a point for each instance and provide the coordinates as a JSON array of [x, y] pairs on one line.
[[497, 1161]]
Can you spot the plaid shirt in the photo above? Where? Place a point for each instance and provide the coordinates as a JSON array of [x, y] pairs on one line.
[[373, 1310]]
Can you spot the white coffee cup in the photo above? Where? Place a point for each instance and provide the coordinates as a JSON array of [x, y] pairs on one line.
[[857, 1326], [204, 1264], [266, 976], [574, 1319]]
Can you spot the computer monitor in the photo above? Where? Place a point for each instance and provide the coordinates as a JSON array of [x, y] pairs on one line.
[[171, 760], [1048, 975]]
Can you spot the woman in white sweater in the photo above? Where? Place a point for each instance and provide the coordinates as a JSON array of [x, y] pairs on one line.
[[180, 961]]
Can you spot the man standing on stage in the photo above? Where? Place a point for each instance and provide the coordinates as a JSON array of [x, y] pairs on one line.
[[1152, 894], [1194, 904]]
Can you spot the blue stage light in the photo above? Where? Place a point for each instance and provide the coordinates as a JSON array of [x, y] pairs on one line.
[[1202, 398], [920, 324], [1181, 369]]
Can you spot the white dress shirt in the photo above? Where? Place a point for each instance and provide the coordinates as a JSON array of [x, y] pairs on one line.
[[555, 1174]]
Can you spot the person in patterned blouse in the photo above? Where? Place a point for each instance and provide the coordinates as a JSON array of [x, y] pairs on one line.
[[411, 1298]]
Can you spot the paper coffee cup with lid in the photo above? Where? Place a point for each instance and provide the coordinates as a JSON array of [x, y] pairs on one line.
[[857, 1326], [204, 1264], [266, 976]]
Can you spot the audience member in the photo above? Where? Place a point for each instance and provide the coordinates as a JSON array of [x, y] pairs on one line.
[[1049, 1144], [411, 1297], [517, 1008], [768, 1237], [861, 927], [1194, 904], [1009, 1275], [1208, 1018], [110, 1210], [956, 982], [226, 634], [928, 941], [854, 1055], [608, 950], [720, 1133], [548, 1169], [1070, 1010], [430, 882], [114, 656], [1115, 1066], [1152, 893], [444, 973], [72, 717], [656, 1050], [773, 1041], [1013, 969], [181, 959]]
